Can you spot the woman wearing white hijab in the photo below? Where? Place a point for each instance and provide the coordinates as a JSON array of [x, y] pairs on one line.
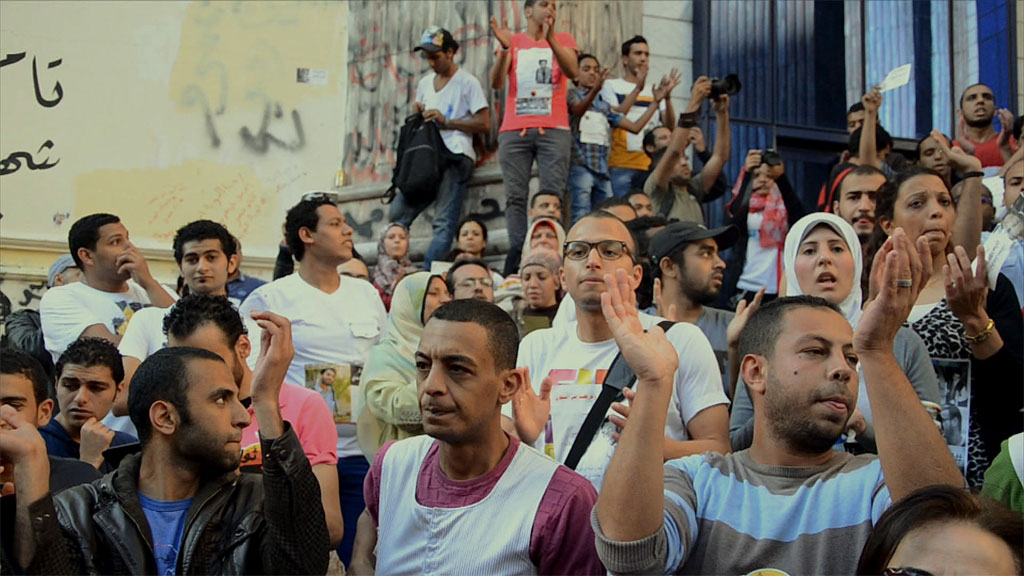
[[822, 258]]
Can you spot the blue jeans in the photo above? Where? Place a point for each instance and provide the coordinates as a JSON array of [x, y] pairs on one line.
[[516, 155], [447, 208], [586, 190], [351, 473], [625, 179]]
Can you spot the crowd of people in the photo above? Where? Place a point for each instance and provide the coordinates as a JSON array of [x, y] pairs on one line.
[[810, 389]]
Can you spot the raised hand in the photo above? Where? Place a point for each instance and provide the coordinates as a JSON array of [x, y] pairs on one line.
[[132, 262], [602, 77], [966, 290], [721, 104], [23, 451], [650, 354], [1005, 126], [961, 133], [530, 410], [641, 77], [743, 313], [957, 156], [697, 139], [753, 161], [899, 272], [276, 353], [670, 312], [502, 34], [700, 91], [872, 101], [95, 439]]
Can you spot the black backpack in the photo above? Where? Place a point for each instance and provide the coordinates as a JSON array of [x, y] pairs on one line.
[[422, 160]]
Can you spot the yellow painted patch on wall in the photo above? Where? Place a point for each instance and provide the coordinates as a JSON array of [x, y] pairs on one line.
[[154, 203]]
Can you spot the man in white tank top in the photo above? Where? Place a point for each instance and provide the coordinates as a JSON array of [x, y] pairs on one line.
[[481, 502]]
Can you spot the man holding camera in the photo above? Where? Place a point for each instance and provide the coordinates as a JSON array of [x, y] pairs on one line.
[[675, 193]]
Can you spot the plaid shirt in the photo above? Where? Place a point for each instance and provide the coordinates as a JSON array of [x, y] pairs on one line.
[[593, 156]]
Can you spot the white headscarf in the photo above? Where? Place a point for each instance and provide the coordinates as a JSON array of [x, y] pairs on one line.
[[851, 305]]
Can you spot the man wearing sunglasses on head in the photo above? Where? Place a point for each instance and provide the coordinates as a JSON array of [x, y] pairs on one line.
[[569, 365]]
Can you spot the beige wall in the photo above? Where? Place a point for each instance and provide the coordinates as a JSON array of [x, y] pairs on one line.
[[170, 111]]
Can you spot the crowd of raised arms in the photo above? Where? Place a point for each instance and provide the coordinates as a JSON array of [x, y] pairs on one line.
[[845, 396]]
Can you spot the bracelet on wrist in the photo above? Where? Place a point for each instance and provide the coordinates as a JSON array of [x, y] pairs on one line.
[[983, 335], [975, 174], [687, 120]]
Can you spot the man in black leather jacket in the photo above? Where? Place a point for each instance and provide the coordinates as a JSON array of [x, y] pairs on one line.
[[180, 505]]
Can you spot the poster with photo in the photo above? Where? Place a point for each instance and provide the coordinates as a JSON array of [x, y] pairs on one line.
[[954, 378], [535, 81], [335, 383]]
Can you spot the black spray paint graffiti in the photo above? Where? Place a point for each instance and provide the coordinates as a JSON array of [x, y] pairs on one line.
[[16, 160], [262, 140]]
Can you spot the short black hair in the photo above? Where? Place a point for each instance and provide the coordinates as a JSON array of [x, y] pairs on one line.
[[855, 107], [449, 278], [195, 310], [502, 334], [87, 352], [163, 376], [476, 220], [586, 55], [600, 213], [936, 505], [85, 232], [648, 142], [633, 192], [885, 201], [882, 140], [964, 93], [203, 230], [628, 44], [21, 363], [302, 215], [765, 324], [862, 170], [533, 200], [917, 148]]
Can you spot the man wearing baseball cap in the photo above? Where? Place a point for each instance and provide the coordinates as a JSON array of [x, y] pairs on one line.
[[454, 99], [688, 274]]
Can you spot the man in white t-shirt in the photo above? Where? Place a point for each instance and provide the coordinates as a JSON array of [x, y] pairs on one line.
[[206, 256], [454, 99], [568, 364], [627, 162], [116, 283], [335, 321]]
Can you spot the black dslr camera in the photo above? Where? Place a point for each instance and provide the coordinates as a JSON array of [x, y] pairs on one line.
[[729, 85], [771, 157]]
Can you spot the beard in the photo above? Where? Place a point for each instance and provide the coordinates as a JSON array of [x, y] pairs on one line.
[[704, 295], [979, 123], [796, 427], [203, 449]]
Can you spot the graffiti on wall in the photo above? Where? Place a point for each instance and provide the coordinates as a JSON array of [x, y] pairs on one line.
[[383, 69], [241, 56], [39, 160]]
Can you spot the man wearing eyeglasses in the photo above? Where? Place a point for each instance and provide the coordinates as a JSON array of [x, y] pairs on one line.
[[471, 278], [567, 364]]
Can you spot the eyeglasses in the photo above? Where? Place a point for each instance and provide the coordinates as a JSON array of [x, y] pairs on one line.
[[472, 282], [606, 249], [906, 571]]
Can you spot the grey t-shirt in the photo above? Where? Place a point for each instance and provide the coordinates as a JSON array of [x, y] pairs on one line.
[[912, 356], [713, 323], [685, 202]]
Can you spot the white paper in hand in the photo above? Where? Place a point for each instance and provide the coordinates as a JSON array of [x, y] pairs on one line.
[[896, 78]]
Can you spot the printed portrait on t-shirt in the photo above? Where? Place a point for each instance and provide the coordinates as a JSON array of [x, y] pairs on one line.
[[535, 81], [954, 379], [334, 383]]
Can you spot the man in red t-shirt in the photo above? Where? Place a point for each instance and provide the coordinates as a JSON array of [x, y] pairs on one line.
[[976, 132], [536, 120]]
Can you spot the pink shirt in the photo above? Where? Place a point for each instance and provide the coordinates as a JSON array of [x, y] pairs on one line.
[[562, 538], [536, 85], [313, 423]]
